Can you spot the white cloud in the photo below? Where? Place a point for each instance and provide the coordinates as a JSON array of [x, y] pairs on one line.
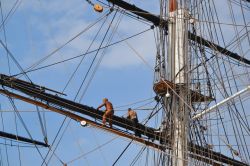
[[61, 21], [123, 56]]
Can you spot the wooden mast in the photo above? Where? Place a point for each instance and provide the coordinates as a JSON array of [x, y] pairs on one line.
[[176, 71]]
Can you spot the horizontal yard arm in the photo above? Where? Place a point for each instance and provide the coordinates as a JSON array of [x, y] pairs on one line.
[[61, 105], [33, 91], [22, 139]]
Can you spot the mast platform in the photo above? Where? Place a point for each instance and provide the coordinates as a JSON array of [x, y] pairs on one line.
[[164, 86]]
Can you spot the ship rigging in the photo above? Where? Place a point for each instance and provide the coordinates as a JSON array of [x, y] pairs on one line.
[[195, 86]]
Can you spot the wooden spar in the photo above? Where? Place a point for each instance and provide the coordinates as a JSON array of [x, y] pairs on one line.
[[195, 151], [32, 90], [22, 139], [156, 20], [79, 119]]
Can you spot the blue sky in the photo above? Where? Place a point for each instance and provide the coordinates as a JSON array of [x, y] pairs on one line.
[[36, 29]]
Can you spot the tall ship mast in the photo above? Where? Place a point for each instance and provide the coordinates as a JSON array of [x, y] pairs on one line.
[[182, 65]]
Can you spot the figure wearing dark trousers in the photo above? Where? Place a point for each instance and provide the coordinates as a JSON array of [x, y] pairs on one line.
[[132, 115]]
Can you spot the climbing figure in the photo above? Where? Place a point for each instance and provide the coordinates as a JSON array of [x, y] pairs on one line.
[[132, 115], [108, 113]]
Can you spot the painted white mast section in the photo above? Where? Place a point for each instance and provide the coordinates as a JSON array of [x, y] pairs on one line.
[[211, 109], [177, 53], [180, 46]]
